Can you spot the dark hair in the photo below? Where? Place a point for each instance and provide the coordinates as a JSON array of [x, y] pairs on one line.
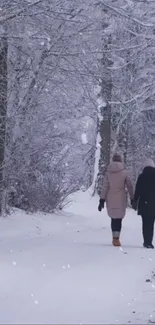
[[117, 157]]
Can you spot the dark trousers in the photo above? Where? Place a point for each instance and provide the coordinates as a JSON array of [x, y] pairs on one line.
[[148, 229], [116, 225]]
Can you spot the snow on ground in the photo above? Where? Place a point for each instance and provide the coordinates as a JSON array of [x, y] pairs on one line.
[[62, 268]]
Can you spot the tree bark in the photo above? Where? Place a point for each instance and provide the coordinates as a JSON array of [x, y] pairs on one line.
[[105, 111], [3, 108]]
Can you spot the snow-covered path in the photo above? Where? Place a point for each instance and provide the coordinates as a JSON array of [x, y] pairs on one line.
[[63, 269]]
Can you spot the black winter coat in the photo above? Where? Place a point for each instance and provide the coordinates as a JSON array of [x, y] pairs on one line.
[[145, 192]]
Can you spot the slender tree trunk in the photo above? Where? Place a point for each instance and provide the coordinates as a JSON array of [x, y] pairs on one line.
[[3, 108], [105, 111]]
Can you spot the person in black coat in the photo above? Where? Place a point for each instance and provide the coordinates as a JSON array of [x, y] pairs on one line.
[[144, 201]]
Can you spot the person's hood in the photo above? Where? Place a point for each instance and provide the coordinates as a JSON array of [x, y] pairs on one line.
[[149, 167], [149, 163], [115, 167]]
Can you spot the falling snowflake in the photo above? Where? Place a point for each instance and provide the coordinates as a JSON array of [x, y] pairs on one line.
[[36, 302], [84, 138], [14, 263], [152, 318]]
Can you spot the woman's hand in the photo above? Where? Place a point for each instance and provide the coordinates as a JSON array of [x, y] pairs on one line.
[[101, 205]]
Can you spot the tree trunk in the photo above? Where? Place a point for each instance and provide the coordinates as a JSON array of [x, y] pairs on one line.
[[3, 108], [105, 111]]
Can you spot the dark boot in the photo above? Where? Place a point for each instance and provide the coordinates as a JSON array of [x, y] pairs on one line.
[[148, 246]]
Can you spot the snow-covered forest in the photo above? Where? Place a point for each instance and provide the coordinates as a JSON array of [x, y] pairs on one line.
[[76, 84]]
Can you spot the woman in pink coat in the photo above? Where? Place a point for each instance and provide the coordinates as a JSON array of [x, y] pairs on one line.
[[116, 185]]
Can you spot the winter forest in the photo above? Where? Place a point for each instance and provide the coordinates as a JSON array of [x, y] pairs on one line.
[[76, 84]]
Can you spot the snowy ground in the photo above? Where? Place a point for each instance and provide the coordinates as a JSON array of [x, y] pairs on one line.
[[63, 268]]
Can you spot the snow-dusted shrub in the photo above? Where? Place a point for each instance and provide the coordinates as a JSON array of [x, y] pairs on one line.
[[44, 192]]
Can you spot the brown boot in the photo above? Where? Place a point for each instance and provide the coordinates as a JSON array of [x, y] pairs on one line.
[[116, 241]]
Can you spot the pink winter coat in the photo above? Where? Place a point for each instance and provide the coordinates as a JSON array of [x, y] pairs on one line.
[[115, 187]]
